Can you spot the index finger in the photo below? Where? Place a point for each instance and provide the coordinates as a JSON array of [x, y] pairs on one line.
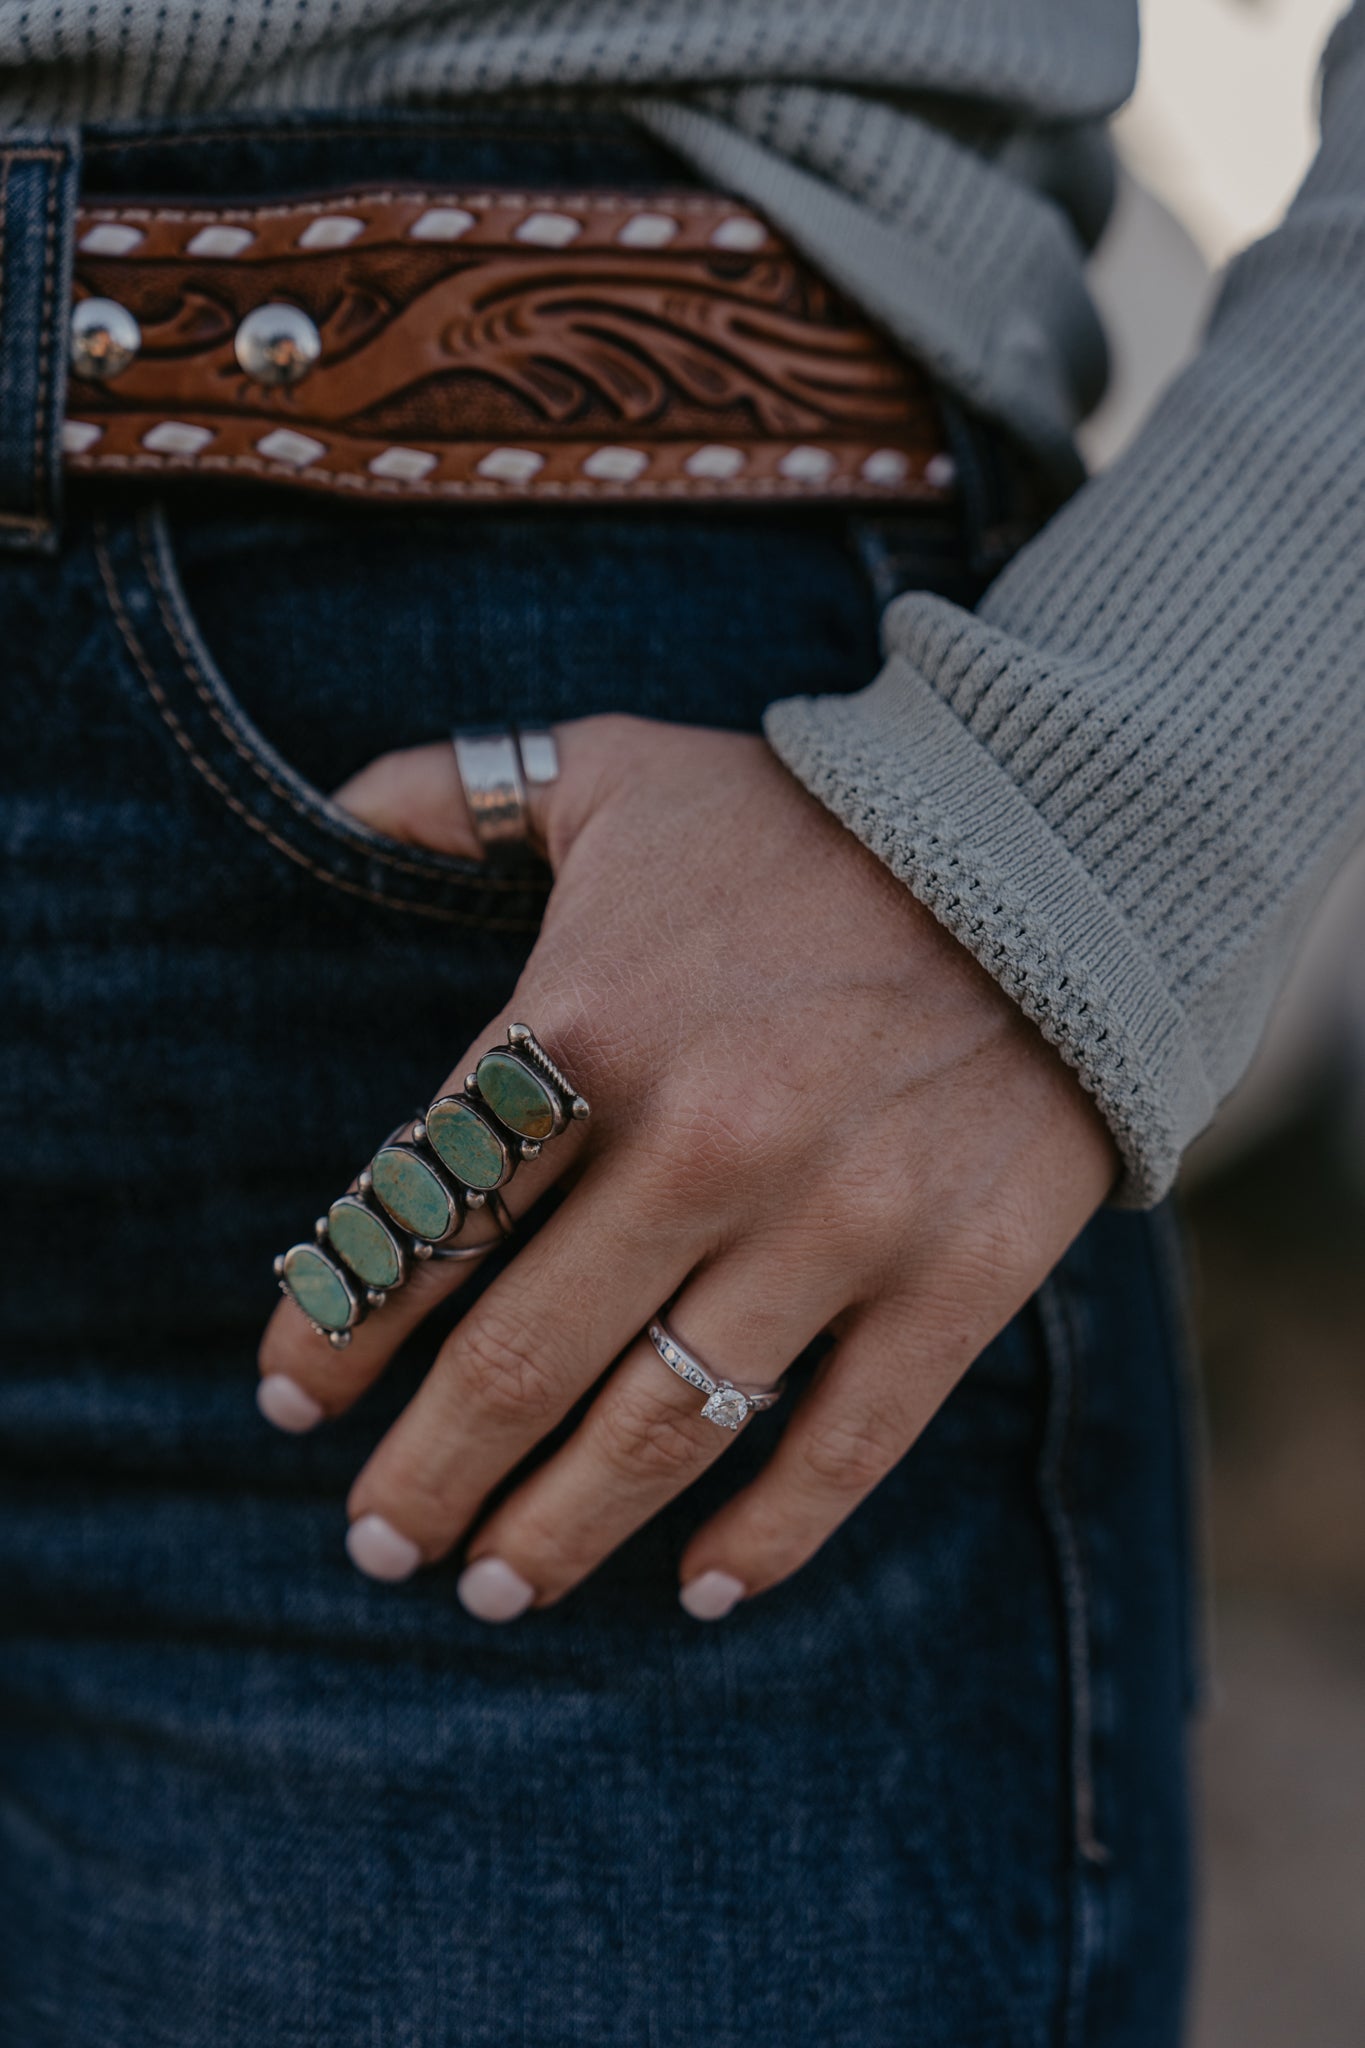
[[303, 1376]]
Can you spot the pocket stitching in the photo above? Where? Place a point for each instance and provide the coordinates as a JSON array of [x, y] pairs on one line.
[[314, 814], [241, 810]]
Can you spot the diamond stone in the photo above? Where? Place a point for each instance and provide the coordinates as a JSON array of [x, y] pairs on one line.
[[727, 1408]]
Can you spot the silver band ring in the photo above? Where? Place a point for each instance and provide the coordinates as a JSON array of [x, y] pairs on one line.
[[727, 1405], [507, 1228], [499, 767]]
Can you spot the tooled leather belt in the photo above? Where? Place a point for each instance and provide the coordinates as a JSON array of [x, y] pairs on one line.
[[456, 346]]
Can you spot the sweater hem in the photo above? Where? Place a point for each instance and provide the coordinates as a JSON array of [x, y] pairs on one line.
[[898, 768]]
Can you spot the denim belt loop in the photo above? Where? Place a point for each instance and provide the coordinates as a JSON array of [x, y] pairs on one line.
[[39, 176]]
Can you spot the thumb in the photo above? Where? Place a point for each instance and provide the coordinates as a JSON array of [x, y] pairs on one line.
[[415, 794]]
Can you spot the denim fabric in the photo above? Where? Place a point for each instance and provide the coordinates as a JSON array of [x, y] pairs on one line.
[[930, 1793], [38, 182]]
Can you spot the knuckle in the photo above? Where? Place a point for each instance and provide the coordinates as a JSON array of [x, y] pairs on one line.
[[714, 1135], [555, 1552], [504, 1366], [638, 1441], [847, 1454]]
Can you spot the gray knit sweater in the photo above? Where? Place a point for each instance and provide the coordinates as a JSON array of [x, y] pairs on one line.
[[1124, 781]]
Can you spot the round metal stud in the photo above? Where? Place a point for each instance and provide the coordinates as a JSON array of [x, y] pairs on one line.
[[277, 343], [104, 339]]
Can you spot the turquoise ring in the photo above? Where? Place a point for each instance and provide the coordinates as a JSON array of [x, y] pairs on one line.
[[411, 1201]]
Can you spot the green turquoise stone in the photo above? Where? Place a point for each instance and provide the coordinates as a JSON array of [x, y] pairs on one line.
[[317, 1286], [461, 1139], [516, 1095], [363, 1242], [412, 1192]]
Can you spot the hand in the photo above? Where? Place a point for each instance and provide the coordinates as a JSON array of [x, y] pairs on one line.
[[812, 1111]]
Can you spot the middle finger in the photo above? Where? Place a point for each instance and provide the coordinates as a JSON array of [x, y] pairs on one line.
[[529, 1348]]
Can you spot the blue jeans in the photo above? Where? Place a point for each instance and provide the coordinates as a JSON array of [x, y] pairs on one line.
[[929, 1793]]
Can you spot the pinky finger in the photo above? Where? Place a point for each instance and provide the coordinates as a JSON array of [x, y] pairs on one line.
[[865, 1409]]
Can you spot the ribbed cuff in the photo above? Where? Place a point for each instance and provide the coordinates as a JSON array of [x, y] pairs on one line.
[[897, 766]]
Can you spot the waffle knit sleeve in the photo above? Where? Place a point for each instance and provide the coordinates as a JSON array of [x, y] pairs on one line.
[[1123, 782]]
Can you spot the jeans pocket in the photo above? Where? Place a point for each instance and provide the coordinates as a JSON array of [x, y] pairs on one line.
[[169, 664]]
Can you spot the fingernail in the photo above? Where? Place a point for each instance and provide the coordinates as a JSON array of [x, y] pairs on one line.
[[376, 1548], [492, 1591], [284, 1402], [711, 1596]]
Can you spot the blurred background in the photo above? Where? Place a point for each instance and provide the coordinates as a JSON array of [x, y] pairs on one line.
[[1216, 139]]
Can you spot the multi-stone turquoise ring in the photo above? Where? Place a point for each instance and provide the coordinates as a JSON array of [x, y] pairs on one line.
[[411, 1201]]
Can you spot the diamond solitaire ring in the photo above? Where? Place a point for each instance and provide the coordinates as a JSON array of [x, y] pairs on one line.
[[727, 1405]]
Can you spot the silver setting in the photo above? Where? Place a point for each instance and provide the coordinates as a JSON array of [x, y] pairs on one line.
[[523, 1039], [277, 343], [355, 1309], [105, 338], [726, 1405]]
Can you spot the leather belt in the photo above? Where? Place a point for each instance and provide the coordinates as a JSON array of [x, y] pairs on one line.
[[424, 345]]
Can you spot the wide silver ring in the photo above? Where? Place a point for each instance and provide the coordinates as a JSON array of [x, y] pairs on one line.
[[499, 769], [727, 1405]]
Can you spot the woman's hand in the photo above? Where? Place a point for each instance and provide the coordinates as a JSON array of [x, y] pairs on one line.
[[812, 1111]]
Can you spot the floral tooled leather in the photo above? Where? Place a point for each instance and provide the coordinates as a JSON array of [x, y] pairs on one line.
[[497, 344]]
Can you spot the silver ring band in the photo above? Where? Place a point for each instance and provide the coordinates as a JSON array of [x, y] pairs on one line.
[[507, 1228], [727, 1405], [498, 768]]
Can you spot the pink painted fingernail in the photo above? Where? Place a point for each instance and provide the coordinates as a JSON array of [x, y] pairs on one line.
[[376, 1548], [492, 1591], [284, 1402], [711, 1596]]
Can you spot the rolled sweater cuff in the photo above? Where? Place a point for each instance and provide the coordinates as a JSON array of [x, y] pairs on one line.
[[896, 764]]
